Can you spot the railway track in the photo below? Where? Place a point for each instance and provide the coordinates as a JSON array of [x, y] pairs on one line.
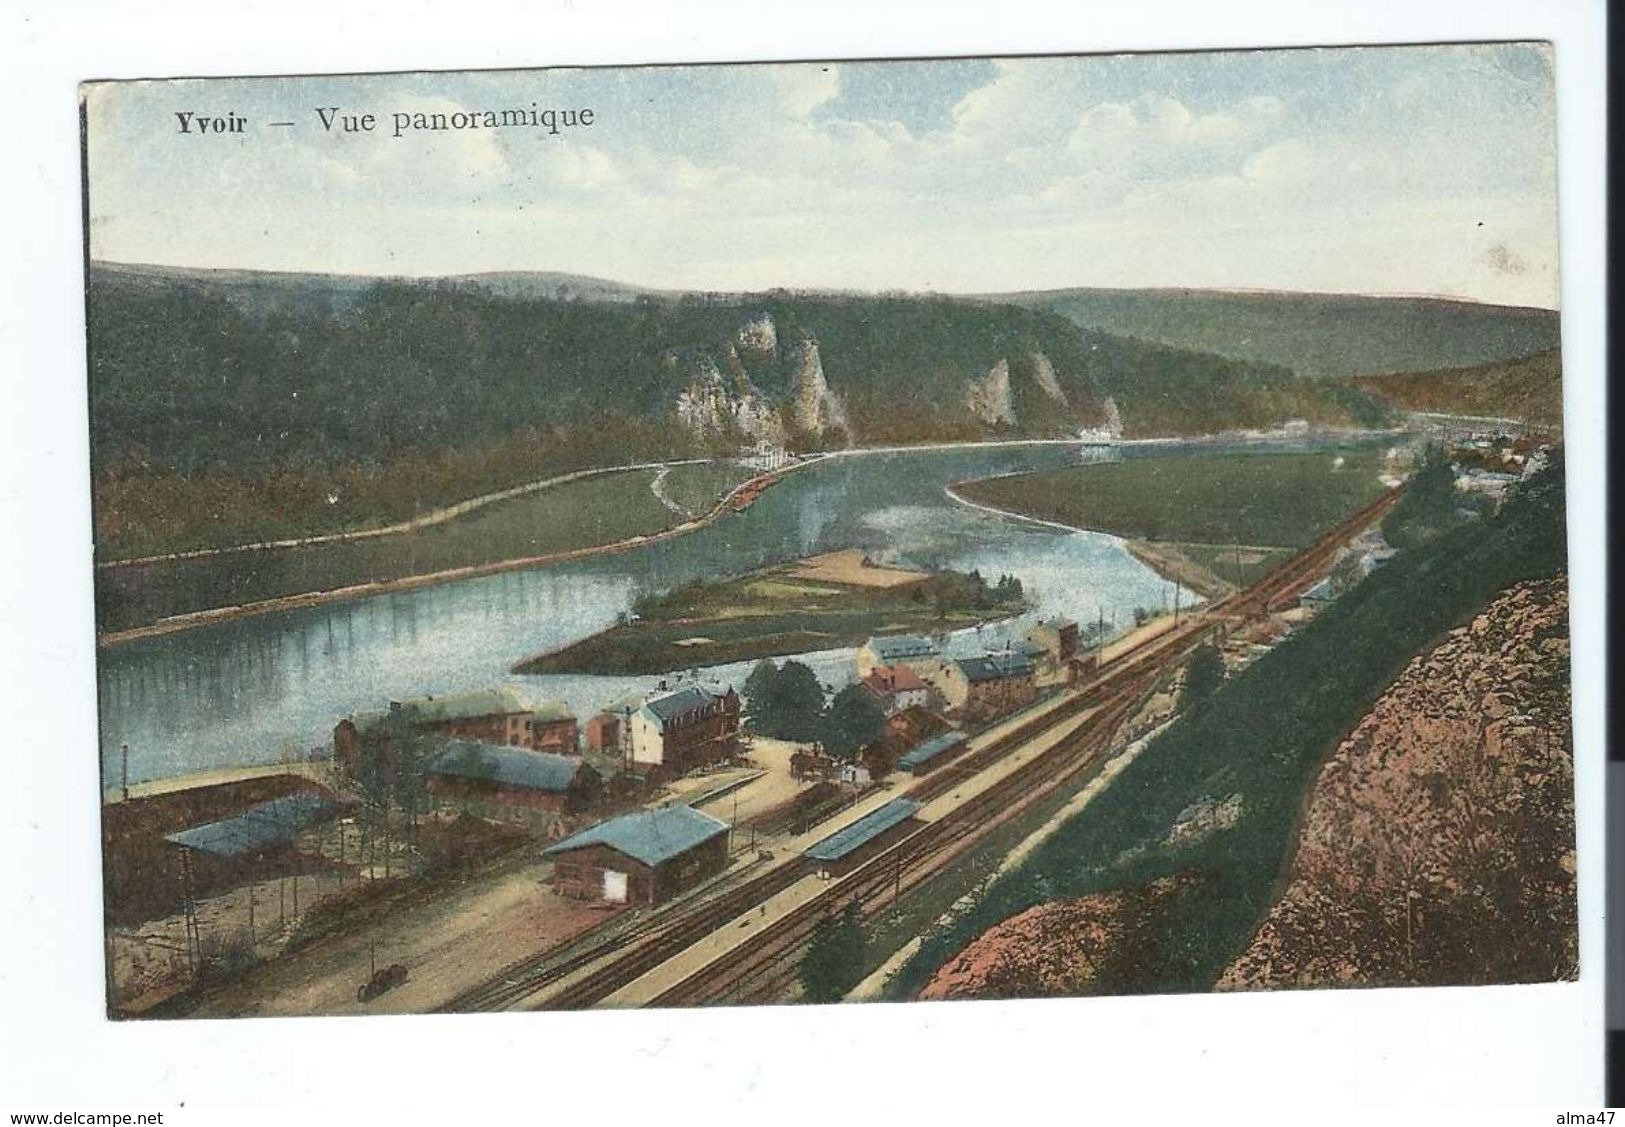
[[769, 970], [764, 967], [661, 935]]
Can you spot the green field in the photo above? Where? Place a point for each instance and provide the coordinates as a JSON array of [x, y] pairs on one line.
[[772, 613], [576, 514], [1263, 500], [698, 488], [1238, 568]]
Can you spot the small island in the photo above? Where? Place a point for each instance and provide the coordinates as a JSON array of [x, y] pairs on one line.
[[818, 603]]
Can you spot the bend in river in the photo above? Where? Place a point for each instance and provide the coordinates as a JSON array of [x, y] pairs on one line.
[[270, 688]]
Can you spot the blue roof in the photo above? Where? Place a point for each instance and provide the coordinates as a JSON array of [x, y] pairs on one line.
[[865, 829], [261, 827], [650, 836], [509, 766], [685, 700], [995, 666], [930, 749], [1321, 592], [888, 647]]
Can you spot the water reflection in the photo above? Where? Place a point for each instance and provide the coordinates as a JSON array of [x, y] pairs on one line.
[[271, 687]]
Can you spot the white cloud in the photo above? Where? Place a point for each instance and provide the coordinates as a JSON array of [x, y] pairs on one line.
[[1268, 171], [802, 89]]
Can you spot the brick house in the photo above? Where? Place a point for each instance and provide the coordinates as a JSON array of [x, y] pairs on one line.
[[491, 716], [678, 731]]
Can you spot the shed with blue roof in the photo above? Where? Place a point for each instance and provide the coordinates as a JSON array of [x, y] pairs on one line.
[[850, 846], [932, 753], [262, 829], [499, 776], [641, 858]]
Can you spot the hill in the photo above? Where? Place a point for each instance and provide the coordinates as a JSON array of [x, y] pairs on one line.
[[1438, 842], [1254, 749], [263, 293], [1315, 335], [332, 401], [1528, 388]]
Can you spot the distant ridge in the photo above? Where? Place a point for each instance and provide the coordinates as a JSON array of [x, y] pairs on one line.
[[1318, 335], [263, 291], [1528, 388]]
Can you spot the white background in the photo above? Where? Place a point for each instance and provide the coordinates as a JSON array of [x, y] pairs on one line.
[[1212, 1057]]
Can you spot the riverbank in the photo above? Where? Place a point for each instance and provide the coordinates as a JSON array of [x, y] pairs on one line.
[[144, 600], [1170, 562], [427, 520], [825, 602], [1167, 560], [1280, 500], [170, 624]]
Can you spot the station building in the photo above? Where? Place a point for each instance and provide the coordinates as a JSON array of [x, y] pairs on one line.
[[986, 686], [688, 728], [930, 754], [846, 849], [641, 858]]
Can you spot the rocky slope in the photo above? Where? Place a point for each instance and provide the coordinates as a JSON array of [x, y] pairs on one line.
[[1087, 945], [1438, 842], [989, 398]]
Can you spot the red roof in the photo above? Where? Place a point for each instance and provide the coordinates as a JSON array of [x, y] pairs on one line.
[[888, 680]]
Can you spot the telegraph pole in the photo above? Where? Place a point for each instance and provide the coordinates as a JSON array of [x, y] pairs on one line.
[[194, 939]]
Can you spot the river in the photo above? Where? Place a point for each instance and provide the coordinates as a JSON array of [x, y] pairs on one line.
[[270, 688]]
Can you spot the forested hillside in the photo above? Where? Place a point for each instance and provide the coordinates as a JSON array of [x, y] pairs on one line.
[[1316, 335], [1528, 388], [231, 405]]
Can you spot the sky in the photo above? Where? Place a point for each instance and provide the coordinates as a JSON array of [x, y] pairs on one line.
[[1418, 170]]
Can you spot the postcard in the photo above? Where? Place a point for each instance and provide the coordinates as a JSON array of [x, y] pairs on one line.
[[830, 532]]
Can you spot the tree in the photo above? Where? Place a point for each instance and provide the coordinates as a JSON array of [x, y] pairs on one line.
[[785, 703], [833, 964], [759, 685], [1204, 674], [1428, 507], [852, 722]]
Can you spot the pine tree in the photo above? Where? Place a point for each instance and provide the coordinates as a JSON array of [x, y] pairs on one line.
[[833, 964]]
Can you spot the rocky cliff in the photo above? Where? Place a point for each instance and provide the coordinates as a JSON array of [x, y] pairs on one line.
[[989, 398], [721, 397], [1044, 376], [716, 404], [1438, 842], [813, 406]]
